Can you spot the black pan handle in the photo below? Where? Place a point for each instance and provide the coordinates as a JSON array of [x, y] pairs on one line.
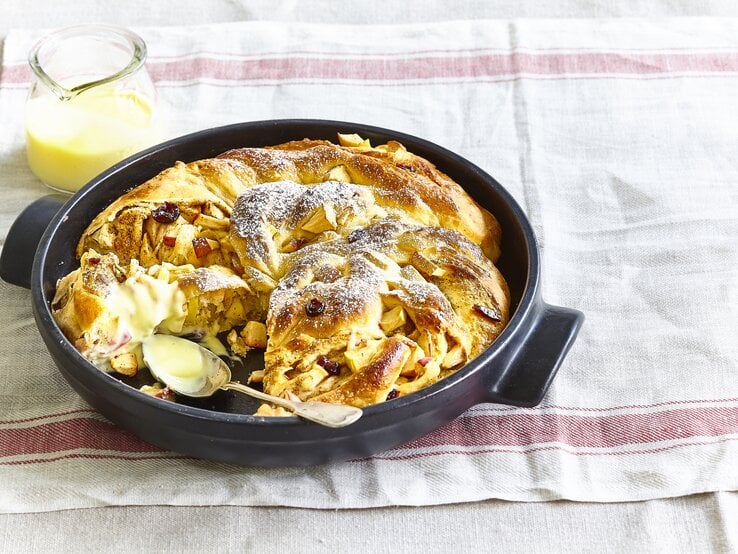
[[531, 367], [23, 237]]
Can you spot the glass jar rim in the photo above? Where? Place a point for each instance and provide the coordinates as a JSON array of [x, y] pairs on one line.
[[136, 43]]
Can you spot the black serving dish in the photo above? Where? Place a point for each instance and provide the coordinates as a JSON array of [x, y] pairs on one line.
[[516, 370]]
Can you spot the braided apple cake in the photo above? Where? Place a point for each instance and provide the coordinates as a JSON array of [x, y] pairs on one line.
[[363, 272]]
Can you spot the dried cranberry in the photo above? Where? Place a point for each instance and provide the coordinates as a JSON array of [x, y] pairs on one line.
[[296, 244], [425, 361], [169, 241], [93, 261], [356, 234], [165, 394], [166, 213], [394, 393], [314, 307], [202, 246], [490, 313], [329, 365]]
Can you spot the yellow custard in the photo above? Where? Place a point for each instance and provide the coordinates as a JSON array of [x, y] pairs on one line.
[[177, 362], [144, 304], [69, 142], [174, 357]]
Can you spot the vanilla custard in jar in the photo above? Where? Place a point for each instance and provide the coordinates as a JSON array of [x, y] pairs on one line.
[[91, 104]]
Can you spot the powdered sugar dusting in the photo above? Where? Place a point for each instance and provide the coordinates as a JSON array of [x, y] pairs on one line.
[[286, 202], [262, 203], [259, 206], [357, 285], [350, 298], [350, 270], [207, 279], [281, 206], [343, 196]]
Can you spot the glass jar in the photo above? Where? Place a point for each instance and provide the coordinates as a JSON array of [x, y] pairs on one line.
[[91, 104]]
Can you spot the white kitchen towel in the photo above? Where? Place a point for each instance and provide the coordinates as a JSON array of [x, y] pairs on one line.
[[619, 140]]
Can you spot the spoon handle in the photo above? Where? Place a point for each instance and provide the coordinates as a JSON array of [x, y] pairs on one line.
[[330, 415]]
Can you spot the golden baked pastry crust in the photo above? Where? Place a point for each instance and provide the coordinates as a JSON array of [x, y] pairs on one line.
[[401, 180], [372, 270]]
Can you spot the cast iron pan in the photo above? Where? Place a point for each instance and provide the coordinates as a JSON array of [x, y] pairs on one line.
[[517, 369]]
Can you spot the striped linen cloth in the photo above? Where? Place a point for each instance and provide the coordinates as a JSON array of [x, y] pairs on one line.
[[618, 138]]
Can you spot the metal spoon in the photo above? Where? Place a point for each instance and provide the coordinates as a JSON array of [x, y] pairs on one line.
[[205, 373]]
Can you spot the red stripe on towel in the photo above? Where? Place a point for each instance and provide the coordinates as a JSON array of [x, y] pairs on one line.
[[478, 66], [537, 431], [70, 434]]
